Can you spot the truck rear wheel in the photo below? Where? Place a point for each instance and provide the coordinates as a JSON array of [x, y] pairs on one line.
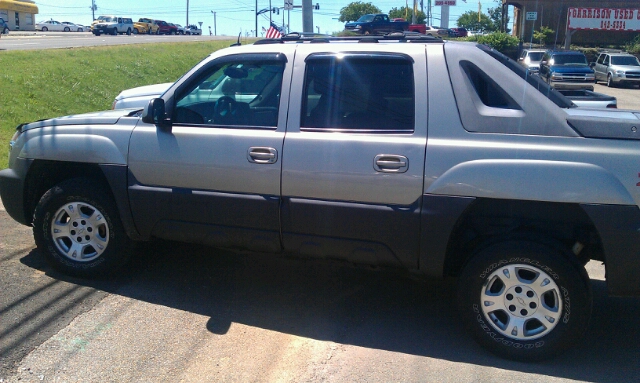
[[77, 228], [524, 300]]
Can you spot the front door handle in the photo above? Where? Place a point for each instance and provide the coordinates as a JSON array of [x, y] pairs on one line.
[[262, 155], [390, 163]]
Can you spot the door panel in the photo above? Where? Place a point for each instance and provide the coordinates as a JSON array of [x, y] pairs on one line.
[[345, 193], [214, 177]]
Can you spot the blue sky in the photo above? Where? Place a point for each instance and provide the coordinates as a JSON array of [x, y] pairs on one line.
[[232, 16]]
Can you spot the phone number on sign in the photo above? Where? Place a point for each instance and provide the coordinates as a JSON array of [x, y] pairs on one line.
[[606, 24]]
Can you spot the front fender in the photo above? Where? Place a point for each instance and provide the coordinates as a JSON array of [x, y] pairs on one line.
[[534, 180], [73, 148]]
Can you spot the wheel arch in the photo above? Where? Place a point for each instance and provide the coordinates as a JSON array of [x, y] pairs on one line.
[[45, 174], [486, 221]]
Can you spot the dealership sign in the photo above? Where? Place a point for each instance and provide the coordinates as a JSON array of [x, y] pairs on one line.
[[606, 19], [445, 2]]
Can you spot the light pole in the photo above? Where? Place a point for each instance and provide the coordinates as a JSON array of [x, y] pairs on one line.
[[187, 13], [215, 30]]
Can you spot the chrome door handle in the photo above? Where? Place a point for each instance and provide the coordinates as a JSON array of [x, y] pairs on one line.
[[262, 155], [390, 163]]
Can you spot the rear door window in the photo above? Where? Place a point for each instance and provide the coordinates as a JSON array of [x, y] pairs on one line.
[[359, 93]]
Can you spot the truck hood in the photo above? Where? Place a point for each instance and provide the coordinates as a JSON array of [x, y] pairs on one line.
[[107, 117], [571, 69], [154, 90], [626, 68]]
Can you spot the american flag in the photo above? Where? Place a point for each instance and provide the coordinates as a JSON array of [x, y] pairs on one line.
[[273, 32]]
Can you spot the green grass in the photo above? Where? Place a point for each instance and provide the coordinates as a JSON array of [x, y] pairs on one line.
[[43, 84]]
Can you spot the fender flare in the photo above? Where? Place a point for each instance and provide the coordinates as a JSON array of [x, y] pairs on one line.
[[534, 180]]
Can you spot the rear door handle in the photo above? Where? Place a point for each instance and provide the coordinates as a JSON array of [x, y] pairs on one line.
[[390, 163], [262, 155]]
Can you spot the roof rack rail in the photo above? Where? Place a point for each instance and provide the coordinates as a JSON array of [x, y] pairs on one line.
[[302, 37]]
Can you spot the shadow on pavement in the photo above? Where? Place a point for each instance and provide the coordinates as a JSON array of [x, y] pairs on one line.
[[378, 309]]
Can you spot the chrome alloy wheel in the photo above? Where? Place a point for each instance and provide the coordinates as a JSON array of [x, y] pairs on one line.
[[521, 301], [80, 231]]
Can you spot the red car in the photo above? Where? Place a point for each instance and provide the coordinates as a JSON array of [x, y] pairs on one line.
[[165, 28]]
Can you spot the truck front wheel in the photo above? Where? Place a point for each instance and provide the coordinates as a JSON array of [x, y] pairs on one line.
[[77, 228], [524, 300]]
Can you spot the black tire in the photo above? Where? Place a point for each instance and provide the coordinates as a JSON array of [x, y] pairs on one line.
[[44, 29], [128, 31], [67, 29], [5, 31], [552, 315], [114, 32], [610, 83], [135, 31], [95, 230]]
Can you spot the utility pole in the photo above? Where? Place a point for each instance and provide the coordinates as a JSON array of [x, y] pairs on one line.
[[187, 13], [413, 16], [93, 9], [307, 16], [256, 12]]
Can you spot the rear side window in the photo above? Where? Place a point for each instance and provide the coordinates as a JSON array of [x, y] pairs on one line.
[[359, 93]]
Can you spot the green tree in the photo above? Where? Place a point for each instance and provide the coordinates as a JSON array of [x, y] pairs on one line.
[[354, 10], [469, 20], [495, 14], [543, 34], [499, 41], [407, 14]]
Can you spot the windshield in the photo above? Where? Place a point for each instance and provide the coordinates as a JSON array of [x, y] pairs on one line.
[[569, 60], [366, 18], [535, 56], [624, 60]]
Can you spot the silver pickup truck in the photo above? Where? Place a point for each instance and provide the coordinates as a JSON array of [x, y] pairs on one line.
[[441, 158]]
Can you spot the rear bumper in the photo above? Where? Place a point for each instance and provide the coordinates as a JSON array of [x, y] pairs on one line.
[[619, 230]]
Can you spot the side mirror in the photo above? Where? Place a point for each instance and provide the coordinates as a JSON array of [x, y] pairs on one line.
[[543, 62], [155, 114]]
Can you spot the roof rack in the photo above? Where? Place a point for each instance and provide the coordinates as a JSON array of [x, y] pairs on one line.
[[319, 38]]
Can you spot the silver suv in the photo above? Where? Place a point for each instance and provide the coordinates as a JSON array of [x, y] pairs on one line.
[[530, 59], [617, 69], [355, 149]]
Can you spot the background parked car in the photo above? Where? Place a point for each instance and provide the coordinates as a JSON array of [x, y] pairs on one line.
[[139, 97], [181, 29], [53, 26], [145, 25], [165, 28], [74, 27], [566, 70], [530, 59], [113, 25], [4, 28], [192, 30], [462, 32], [617, 68]]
